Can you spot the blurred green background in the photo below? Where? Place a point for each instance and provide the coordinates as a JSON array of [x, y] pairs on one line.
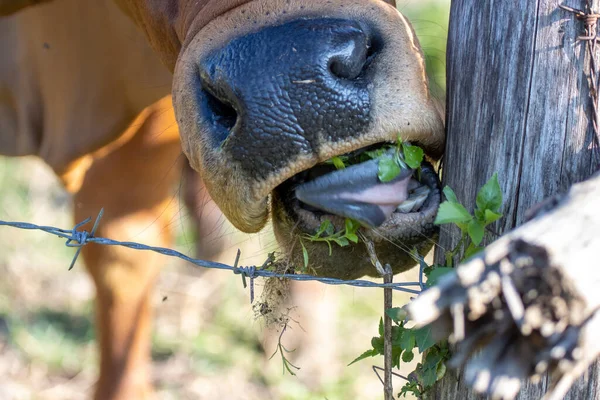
[[207, 343]]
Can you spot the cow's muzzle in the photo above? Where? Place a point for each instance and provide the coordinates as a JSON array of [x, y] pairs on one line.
[[266, 95], [287, 91]]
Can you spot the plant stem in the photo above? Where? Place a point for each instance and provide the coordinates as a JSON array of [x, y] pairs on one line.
[[387, 343]]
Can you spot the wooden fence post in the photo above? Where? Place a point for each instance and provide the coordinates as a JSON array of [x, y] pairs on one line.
[[519, 104]]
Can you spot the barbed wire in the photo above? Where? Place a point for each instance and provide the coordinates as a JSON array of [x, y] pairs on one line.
[[78, 238], [591, 38]]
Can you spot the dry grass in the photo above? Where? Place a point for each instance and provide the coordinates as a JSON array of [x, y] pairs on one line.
[[206, 344]]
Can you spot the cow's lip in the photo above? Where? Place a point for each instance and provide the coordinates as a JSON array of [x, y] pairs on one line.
[[330, 184]]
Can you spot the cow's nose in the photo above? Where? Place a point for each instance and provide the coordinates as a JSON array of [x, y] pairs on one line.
[[287, 88]]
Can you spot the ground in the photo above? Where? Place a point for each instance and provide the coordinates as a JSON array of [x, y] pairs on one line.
[[207, 342]]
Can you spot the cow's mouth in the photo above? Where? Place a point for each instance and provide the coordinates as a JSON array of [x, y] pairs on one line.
[[384, 209]]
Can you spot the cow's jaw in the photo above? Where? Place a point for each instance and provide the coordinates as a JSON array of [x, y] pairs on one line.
[[252, 148]]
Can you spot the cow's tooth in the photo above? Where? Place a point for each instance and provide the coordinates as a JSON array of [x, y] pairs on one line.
[[415, 200], [419, 191], [420, 201], [406, 206]]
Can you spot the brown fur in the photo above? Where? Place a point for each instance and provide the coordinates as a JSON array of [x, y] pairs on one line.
[[81, 87], [133, 182]]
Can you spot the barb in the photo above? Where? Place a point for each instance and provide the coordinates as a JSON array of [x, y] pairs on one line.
[[377, 369], [591, 38], [78, 238]]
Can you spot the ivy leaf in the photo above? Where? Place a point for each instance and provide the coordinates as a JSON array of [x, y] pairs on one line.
[[424, 338], [366, 354], [388, 169], [490, 195], [491, 217], [476, 231], [397, 314], [436, 274], [413, 155], [450, 195], [449, 213]]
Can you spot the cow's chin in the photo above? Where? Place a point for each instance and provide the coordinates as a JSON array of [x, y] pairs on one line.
[[409, 228]]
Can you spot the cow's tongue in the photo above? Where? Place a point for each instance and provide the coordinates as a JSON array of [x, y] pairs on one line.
[[356, 192]]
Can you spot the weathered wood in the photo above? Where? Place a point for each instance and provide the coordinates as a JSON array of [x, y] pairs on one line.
[[517, 104], [529, 304]]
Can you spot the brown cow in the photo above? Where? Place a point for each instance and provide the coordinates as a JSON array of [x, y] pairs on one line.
[[265, 91]]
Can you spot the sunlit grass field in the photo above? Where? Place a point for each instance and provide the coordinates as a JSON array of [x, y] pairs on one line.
[[207, 343]]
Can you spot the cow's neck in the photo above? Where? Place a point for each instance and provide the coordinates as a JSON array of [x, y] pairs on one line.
[[169, 23]]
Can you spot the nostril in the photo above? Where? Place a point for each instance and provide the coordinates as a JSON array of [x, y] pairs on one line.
[[355, 50], [220, 114]]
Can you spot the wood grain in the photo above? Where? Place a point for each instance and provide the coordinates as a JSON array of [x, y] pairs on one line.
[[517, 104]]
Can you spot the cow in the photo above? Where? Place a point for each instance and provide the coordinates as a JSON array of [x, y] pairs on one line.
[[264, 93]]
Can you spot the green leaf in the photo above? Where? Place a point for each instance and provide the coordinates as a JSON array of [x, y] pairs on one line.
[[407, 356], [491, 217], [388, 169], [424, 338], [472, 250], [408, 341], [429, 371], [325, 225], [376, 153], [397, 314], [329, 228], [366, 354], [480, 215], [410, 387], [436, 274], [450, 195], [428, 377], [352, 237], [338, 163], [304, 254], [490, 195], [441, 370], [450, 213], [377, 343], [476, 231], [341, 241], [396, 352], [351, 225], [380, 327], [413, 155]]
